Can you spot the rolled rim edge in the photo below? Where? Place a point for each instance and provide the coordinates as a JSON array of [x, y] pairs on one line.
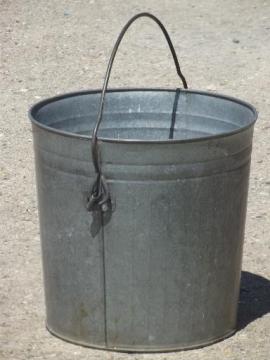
[[35, 107]]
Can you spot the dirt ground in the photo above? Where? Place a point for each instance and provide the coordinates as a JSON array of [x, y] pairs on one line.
[[57, 46]]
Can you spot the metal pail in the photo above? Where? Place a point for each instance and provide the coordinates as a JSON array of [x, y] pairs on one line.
[[142, 236]]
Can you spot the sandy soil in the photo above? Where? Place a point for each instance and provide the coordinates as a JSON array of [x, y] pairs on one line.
[[56, 46]]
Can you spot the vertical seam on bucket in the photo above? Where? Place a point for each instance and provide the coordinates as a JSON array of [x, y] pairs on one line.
[[104, 280]]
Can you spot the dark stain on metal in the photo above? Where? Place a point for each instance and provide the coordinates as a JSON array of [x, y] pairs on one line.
[[175, 106]]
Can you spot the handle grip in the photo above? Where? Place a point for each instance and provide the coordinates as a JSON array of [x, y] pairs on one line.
[[99, 195]]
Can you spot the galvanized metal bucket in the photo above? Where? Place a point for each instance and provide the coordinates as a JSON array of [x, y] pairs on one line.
[[142, 236]]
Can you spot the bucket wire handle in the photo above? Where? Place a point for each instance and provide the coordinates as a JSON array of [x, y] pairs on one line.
[[100, 197]]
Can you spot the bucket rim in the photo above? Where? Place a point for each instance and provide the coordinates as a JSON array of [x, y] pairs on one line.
[[38, 105]]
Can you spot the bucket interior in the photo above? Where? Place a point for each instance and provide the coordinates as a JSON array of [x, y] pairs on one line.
[[146, 115]]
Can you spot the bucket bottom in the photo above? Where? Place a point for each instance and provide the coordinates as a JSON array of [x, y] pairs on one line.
[[141, 349]]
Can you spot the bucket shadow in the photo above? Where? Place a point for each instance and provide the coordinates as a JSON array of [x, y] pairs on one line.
[[254, 300]]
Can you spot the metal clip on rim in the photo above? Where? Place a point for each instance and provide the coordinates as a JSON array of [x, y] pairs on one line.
[[99, 198]]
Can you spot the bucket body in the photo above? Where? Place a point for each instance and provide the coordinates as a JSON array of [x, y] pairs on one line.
[[161, 270]]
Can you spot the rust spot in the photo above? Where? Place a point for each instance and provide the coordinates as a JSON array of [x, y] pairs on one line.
[[83, 312], [82, 315]]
